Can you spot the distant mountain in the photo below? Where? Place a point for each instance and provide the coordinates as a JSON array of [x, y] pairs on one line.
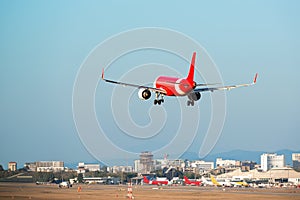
[[237, 155], [190, 156], [240, 155]]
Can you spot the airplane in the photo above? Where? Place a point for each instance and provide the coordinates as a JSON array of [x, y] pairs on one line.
[[156, 182], [220, 183], [206, 182], [189, 182], [172, 86], [214, 182], [64, 184], [240, 183]]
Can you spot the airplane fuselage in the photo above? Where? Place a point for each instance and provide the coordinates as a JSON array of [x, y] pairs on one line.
[[155, 182], [193, 183], [189, 182], [174, 86], [158, 182]]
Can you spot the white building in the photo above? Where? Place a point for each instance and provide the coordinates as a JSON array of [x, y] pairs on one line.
[[178, 163], [116, 169], [159, 164], [82, 167], [202, 165], [49, 166], [146, 162], [31, 166], [269, 161], [137, 166], [162, 163], [296, 156], [296, 161], [226, 163], [12, 166]]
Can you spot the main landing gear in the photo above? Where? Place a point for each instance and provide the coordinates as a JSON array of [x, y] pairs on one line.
[[190, 103], [158, 100], [192, 97]]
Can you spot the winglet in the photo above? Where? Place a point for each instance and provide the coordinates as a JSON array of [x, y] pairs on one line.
[[255, 77], [102, 76]]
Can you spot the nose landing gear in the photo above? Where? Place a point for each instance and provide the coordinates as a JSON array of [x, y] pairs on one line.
[[158, 100]]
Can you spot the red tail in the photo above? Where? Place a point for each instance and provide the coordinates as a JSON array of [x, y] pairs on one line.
[[146, 180], [190, 77], [186, 180], [254, 81]]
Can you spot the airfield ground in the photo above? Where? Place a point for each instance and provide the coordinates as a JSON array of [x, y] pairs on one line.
[[106, 192]]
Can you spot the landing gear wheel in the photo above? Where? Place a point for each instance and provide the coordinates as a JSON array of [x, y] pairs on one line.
[[190, 103], [158, 101]]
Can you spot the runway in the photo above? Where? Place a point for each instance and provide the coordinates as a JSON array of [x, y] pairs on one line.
[[146, 192]]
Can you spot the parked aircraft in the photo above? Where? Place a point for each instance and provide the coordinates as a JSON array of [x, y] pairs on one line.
[[206, 182], [240, 183], [64, 184], [218, 183], [189, 182], [221, 182], [172, 86], [163, 181]]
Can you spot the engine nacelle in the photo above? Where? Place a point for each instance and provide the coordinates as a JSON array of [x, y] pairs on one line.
[[144, 94], [195, 96]]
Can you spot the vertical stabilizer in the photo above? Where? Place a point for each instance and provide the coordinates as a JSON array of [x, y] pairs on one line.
[[187, 180], [214, 181], [146, 179], [190, 76]]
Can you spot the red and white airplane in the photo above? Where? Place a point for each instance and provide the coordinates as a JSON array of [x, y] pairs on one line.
[[189, 182], [172, 86], [156, 182]]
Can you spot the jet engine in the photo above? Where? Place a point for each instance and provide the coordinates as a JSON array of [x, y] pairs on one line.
[[144, 94], [195, 96]]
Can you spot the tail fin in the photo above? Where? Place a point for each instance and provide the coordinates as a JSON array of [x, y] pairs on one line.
[[190, 76], [186, 179], [214, 181], [146, 179]]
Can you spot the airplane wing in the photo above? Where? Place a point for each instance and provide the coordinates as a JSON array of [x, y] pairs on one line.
[[133, 85], [226, 87]]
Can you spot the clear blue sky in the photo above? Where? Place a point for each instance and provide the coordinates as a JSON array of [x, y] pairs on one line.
[[43, 44]]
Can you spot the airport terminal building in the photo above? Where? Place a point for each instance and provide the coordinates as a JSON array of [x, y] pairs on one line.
[[274, 175]]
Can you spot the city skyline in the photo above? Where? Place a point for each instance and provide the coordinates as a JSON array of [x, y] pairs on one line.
[[237, 155], [271, 170], [44, 45]]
